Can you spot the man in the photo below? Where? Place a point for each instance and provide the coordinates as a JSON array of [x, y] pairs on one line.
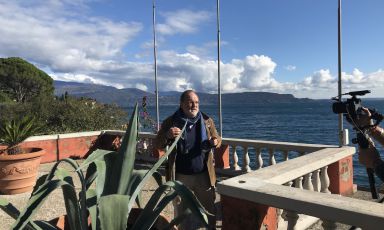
[[370, 157], [192, 161]]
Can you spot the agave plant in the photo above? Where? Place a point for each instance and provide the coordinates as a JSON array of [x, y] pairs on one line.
[[12, 133], [117, 187]]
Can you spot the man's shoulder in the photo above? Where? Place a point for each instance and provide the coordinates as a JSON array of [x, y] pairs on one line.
[[169, 119], [206, 116]]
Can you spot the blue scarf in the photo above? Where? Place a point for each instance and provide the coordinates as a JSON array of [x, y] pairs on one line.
[[180, 119]]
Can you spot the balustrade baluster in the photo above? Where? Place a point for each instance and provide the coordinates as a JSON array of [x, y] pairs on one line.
[[324, 180], [285, 212], [308, 182], [316, 181], [259, 158], [235, 158], [285, 153], [298, 182], [246, 160], [272, 160], [292, 218]]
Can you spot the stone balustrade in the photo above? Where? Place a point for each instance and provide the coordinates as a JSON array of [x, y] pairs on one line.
[[264, 153], [298, 186]]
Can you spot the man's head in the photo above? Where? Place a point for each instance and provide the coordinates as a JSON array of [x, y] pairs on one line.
[[189, 103]]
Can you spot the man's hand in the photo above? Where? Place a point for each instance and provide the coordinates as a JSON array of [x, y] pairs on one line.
[[213, 141], [173, 132], [364, 120]]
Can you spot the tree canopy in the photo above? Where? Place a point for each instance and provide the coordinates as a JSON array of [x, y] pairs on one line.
[[21, 81], [25, 89]]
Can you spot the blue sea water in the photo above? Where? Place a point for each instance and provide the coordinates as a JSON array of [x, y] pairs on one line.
[[312, 122]]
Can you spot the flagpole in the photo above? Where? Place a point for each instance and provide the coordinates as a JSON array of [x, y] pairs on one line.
[[341, 136], [218, 67], [155, 62]]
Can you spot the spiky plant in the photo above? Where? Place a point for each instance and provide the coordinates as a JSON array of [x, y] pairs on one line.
[[13, 132], [117, 188]]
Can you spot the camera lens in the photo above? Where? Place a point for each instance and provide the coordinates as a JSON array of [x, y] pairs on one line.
[[339, 107]]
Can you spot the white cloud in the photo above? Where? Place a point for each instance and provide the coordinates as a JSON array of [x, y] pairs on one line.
[[182, 21], [58, 37], [49, 34], [290, 67]]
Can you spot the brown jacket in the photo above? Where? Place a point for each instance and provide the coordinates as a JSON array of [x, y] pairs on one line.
[[162, 141]]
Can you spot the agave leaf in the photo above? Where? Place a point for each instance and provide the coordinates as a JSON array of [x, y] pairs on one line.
[[45, 225], [148, 216], [13, 212], [190, 201], [82, 198], [113, 211], [158, 177], [101, 169], [124, 164], [8, 208], [152, 170], [176, 221], [92, 207], [90, 175], [137, 176], [40, 181], [94, 156], [154, 207], [35, 202], [72, 163], [70, 199]]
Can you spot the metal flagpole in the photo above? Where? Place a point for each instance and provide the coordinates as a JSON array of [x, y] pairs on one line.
[[155, 59], [218, 68], [339, 74]]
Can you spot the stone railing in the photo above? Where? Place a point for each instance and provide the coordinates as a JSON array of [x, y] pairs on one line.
[[263, 153], [297, 186]]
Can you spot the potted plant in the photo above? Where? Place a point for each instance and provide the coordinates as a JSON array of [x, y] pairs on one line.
[[18, 165], [108, 191]]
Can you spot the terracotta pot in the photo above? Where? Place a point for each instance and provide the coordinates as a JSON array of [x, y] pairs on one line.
[[61, 223], [18, 172]]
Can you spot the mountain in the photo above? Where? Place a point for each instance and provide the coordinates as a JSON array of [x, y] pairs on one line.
[[129, 96]]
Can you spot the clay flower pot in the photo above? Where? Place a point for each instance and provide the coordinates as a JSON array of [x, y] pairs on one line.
[[18, 172]]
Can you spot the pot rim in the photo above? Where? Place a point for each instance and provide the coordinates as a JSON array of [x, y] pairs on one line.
[[31, 153]]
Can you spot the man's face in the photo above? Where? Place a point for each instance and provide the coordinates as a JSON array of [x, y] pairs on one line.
[[190, 105]]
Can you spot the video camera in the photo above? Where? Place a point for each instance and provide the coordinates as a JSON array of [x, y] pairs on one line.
[[352, 110], [352, 106]]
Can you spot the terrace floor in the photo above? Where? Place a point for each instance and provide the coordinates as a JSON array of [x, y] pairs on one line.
[[54, 205]]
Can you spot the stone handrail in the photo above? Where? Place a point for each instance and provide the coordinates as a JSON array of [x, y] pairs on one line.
[[310, 194]]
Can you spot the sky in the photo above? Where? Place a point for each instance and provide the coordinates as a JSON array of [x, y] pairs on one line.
[[280, 46]]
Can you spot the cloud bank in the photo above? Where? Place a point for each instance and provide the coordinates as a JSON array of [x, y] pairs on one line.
[[59, 37]]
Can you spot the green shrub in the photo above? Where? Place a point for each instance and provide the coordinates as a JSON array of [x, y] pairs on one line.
[[12, 133]]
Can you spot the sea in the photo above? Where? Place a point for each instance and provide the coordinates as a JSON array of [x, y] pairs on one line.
[[310, 122]]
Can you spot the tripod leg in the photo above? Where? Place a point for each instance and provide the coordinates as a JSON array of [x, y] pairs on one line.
[[371, 178]]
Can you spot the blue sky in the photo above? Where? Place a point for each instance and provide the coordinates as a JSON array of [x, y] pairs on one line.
[[274, 46]]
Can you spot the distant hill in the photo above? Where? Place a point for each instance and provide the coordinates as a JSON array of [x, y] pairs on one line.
[[129, 96]]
